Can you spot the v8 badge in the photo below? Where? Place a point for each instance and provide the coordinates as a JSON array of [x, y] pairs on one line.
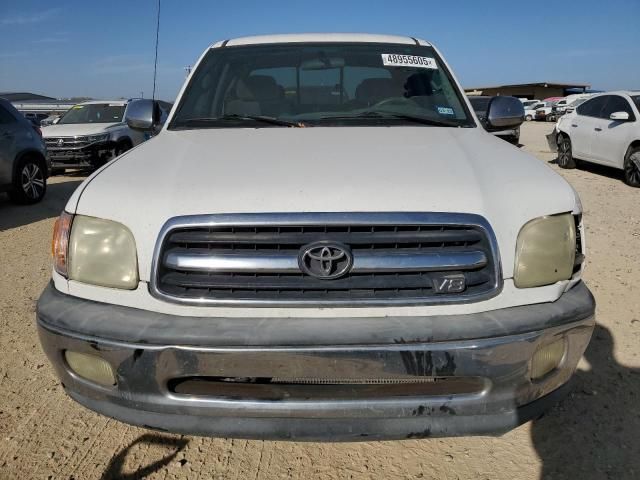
[[449, 283]]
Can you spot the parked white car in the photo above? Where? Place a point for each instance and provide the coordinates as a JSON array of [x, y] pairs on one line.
[[50, 120], [543, 110], [605, 129], [322, 243], [571, 100], [576, 102], [90, 134], [530, 109], [529, 103]]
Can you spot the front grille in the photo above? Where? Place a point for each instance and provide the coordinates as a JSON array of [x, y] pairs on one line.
[[66, 142], [397, 258], [273, 388], [70, 154]]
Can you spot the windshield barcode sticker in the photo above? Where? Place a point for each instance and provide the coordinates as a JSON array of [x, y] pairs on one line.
[[394, 60]]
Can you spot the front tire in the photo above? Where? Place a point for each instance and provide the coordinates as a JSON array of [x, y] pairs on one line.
[[565, 153], [528, 118], [29, 183], [632, 167]]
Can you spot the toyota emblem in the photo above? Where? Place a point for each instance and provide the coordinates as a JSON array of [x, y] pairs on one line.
[[325, 260]]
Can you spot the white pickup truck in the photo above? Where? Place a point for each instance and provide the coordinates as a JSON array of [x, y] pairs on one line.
[[321, 243], [90, 134]]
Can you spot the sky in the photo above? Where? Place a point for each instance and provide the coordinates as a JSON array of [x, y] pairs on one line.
[[105, 49]]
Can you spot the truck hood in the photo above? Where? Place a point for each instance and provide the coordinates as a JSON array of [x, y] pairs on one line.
[[76, 129], [323, 169]]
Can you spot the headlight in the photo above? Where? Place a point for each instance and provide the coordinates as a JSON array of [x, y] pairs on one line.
[[99, 252], [99, 138], [60, 243], [102, 137], [545, 251]]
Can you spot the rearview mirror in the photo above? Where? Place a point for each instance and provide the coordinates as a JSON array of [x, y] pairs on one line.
[[505, 112], [619, 116], [141, 114], [322, 63]]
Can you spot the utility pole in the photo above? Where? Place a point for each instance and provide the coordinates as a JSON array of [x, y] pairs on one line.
[[188, 69], [155, 65]]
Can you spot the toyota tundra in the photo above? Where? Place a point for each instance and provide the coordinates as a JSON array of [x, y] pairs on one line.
[[322, 243]]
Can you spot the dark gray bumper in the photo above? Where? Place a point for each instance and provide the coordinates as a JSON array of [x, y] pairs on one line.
[[149, 351]]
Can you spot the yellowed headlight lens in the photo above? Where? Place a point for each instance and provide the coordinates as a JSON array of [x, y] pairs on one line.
[[91, 367], [102, 252], [545, 251]]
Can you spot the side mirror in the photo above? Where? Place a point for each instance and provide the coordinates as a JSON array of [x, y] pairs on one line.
[[505, 112], [619, 116], [55, 120], [141, 114]]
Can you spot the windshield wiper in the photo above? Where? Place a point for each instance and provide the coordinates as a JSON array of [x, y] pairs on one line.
[[403, 116], [210, 121]]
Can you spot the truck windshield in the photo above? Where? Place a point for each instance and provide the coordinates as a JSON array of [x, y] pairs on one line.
[[321, 84], [94, 113]]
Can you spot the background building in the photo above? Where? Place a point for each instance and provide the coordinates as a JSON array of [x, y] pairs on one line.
[[27, 102], [538, 91]]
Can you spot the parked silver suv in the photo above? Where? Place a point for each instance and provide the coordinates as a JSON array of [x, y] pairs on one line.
[[24, 167]]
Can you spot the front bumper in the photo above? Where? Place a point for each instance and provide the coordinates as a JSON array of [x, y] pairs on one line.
[[552, 140], [90, 156], [479, 364]]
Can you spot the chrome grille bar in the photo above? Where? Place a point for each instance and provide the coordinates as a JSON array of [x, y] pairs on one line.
[[362, 262], [68, 143], [232, 263], [418, 262]]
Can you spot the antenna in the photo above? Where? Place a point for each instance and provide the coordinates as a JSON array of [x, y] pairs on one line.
[[155, 65]]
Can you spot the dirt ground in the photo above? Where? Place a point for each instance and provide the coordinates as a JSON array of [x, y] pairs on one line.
[[593, 434]]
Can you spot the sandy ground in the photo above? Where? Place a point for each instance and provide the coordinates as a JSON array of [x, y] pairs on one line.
[[593, 434]]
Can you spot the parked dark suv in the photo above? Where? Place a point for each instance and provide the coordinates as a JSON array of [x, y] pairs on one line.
[[24, 167]]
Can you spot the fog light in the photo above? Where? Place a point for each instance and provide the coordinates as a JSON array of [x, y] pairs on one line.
[[90, 367], [547, 358]]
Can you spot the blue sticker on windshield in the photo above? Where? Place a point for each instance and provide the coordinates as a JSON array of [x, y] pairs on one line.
[[445, 111]]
